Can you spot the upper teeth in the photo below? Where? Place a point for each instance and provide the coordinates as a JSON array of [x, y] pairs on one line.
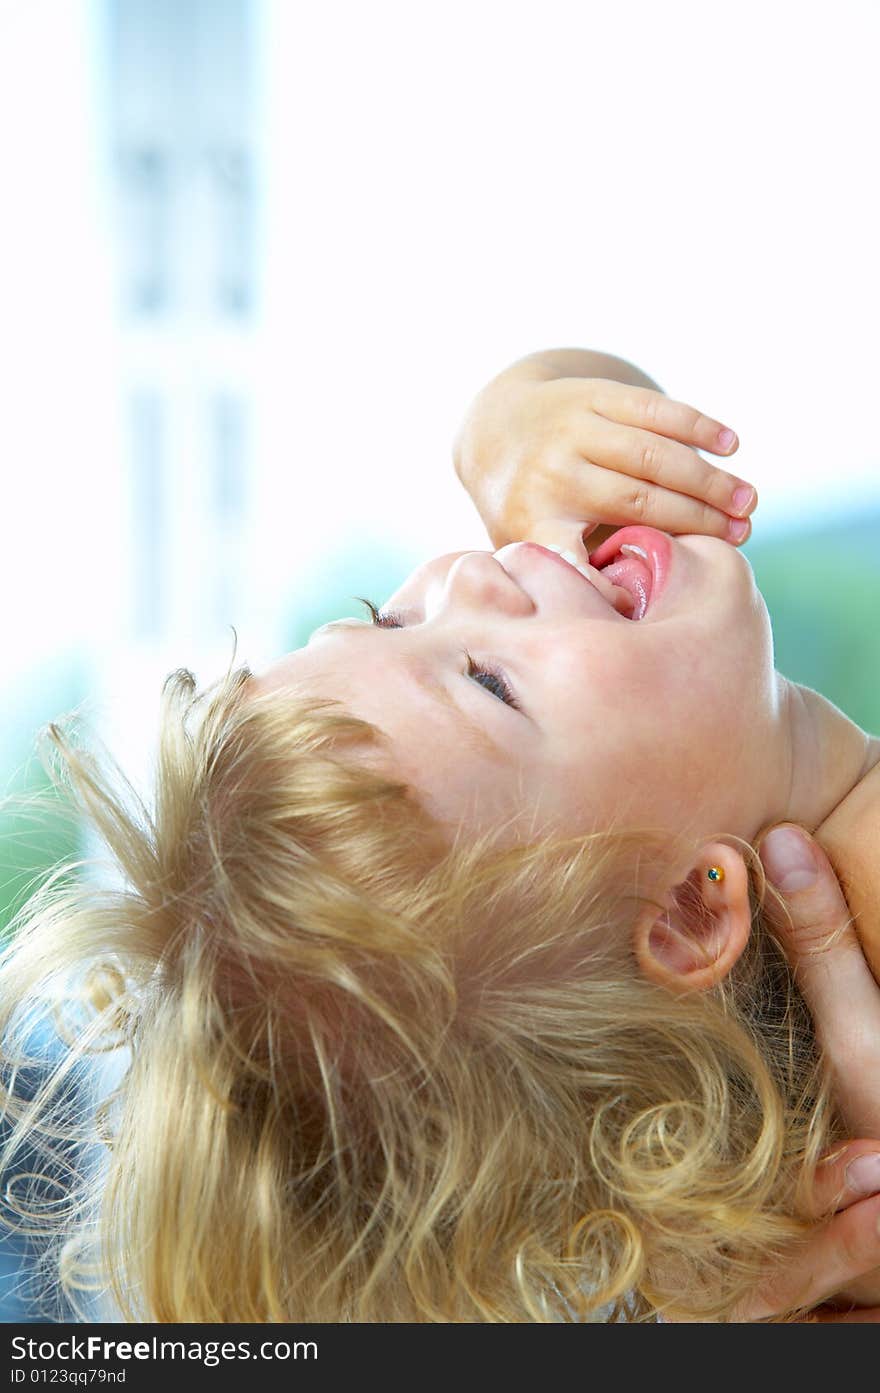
[[572, 560]]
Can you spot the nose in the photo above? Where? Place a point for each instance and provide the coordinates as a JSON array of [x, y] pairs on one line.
[[475, 580]]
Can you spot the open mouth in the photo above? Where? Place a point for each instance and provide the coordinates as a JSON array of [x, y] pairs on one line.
[[619, 598], [637, 559]]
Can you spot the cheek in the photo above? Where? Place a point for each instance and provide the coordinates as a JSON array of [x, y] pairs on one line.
[[650, 722], [656, 689], [460, 788], [620, 696]]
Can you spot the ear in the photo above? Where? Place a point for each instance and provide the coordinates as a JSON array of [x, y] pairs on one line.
[[695, 941]]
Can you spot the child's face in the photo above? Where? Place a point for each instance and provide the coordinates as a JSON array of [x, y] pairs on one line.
[[674, 722]]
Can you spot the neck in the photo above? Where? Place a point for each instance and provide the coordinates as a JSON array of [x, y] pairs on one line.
[[830, 754]]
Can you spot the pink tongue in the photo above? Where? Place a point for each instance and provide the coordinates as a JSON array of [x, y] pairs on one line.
[[634, 575]]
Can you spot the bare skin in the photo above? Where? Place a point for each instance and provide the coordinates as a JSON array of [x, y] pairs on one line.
[[678, 722], [659, 690], [698, 730]]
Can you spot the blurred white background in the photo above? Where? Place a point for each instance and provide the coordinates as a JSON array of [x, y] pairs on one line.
[[259, 255]]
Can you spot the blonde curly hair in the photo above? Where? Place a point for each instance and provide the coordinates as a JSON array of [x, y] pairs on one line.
[[369, 1073]]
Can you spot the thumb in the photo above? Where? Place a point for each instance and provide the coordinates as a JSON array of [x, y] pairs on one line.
[[829, 967]]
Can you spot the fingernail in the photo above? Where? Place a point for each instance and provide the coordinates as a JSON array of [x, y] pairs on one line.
[[737, 530], [863, 1174], [742, 497], [788, 860], [726, 437]]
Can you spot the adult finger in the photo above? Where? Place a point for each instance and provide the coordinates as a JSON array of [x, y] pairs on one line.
[[870, 1315], [848, 1173], [830, 969], [840, 1251]]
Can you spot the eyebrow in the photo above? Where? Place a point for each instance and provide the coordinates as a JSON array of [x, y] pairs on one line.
[[478, 738]]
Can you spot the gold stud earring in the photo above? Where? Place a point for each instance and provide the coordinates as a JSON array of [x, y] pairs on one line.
[[716, 873]]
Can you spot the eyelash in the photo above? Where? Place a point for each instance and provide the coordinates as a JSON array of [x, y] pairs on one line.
[[392, 619]]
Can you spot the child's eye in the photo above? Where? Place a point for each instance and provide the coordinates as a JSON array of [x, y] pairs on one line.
[[493, 680], [391, 619]]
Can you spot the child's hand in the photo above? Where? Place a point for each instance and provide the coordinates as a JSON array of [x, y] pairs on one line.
[[550, 461]]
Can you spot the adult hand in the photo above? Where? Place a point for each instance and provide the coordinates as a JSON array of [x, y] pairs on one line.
[[832, 973], [839, 1258], [844, 1000]]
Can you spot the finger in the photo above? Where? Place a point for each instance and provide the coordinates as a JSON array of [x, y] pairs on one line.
[[844, 1249], [607, 496], [643, 454], [654, 411], [847, 1173], [826, 1315], [837, 984]]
